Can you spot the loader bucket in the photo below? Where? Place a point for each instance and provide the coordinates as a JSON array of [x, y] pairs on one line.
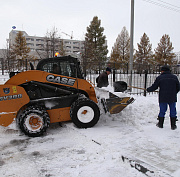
[[116, 104], [111, 102]]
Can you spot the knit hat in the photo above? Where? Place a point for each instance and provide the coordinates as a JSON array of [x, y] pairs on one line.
[[165, 68], [108, 69]]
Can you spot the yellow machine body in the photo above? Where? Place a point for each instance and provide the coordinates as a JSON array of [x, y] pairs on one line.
[[13, 97], [55, 92]]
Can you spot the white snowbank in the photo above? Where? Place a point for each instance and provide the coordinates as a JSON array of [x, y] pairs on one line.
[[98, 151]]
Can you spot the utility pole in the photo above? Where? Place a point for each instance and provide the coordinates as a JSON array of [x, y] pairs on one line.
[[131, 42]]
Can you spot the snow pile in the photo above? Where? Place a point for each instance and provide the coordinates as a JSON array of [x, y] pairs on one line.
[[126, 144], [3, 78]]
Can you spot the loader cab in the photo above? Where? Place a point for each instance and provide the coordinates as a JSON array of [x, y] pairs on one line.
[[66, 66]]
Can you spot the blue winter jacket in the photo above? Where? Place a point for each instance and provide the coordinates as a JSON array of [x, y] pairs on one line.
[[168, 87]]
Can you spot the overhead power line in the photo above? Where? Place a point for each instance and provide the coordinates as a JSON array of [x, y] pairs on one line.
[[167, 6]]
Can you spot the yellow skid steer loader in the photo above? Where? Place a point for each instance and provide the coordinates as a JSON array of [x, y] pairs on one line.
[[55, 92]]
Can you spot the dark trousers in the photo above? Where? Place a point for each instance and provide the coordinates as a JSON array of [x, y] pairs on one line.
[[163, 109]]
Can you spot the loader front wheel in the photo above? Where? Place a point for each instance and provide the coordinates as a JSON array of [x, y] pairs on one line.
[[34, 121], [84, 113]]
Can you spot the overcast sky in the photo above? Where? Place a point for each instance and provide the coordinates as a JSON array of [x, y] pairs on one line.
[[37, 16]]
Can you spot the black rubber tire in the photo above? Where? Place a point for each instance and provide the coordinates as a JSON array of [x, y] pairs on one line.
[[34, 121], [83, 108]]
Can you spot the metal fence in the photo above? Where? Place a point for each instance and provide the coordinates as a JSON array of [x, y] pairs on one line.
[[141, 77]]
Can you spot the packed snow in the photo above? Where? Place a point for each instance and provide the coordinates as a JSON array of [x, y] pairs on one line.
[[127, 144]]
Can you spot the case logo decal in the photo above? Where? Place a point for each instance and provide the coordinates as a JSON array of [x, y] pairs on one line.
[[60, 80]]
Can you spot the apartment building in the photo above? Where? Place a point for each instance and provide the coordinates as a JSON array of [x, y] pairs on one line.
[[177, 56], [36, 43]]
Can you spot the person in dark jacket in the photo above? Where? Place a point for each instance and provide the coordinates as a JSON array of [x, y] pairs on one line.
[[168, 85], [102, 80]]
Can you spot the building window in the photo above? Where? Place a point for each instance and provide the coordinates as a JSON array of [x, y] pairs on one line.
[[41, 45], [30, 44], [75, 47], [67, 42], [40, 40], [76, 43], [29, 39]]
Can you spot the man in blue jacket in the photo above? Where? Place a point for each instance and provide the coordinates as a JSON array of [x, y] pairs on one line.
[[168, 88]]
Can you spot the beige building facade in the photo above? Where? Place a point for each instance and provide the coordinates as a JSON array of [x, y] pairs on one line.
[[37, 44]]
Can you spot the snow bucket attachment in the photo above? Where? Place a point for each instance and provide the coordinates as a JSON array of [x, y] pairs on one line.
[[112, 103], [116, 104]]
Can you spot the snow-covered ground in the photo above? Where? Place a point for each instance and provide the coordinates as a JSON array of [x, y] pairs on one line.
[[127, 144]]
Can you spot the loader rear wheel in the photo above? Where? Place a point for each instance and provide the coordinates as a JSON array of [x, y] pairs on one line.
[[84, 113], [34, 121]]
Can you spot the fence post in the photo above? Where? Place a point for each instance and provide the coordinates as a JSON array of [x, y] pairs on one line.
[[127, 67], [114, 73], [84, 71], [2, 64], [99, 69], [26, 65], [145, 82]]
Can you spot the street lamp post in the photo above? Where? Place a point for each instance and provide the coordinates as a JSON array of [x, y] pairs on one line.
[[131, 43]]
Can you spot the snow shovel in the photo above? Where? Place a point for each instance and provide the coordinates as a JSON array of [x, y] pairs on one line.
[[140, 88], [120, 86]]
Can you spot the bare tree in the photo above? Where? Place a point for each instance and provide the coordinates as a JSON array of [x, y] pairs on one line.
[[52, 43]]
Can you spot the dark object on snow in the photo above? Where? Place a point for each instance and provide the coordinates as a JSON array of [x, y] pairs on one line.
[[120, 86]]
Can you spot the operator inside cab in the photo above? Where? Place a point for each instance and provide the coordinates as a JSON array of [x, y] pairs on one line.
[[56, 69]]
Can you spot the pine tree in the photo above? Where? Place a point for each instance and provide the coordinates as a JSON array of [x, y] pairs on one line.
[[144, 54], [20, 50], [164, 51], [121, 50], [95, 42]]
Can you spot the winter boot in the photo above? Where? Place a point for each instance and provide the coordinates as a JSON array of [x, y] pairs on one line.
[[173, 123], [161, 122]]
